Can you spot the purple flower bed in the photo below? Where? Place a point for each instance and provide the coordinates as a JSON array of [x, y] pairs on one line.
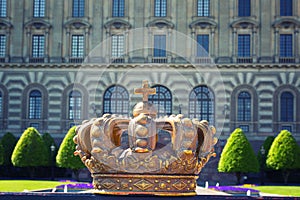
[[76, 186], [235, 190]]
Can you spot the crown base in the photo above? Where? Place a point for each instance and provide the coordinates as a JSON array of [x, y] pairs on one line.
[[161, 185]]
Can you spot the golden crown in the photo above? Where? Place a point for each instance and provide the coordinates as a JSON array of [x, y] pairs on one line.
[[145, 154]]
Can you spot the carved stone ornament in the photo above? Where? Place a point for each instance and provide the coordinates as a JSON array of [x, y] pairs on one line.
[[131, 155]]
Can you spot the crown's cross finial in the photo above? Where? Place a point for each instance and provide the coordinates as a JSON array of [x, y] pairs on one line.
[[145, 91]]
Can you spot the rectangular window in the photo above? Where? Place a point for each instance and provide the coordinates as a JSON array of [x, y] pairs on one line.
[[2, 46], [245, 128], [3, 8], [286, 45], [202, 45], [160, 8], [159, 46], [244, 46], [286, 7], [38, 46], [77, 46], [117, 46], [203, 8], [39, 8], [35, 108], [118, 8], [244, 7], [78, 8], [35, 125], [288, 128]]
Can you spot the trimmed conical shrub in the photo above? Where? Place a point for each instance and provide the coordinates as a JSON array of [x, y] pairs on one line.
[[238, 156], [8, 142], [30, 151], [65, 157], [283, 153]]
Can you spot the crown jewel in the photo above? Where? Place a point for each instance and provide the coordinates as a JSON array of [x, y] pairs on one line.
[[145, 154]]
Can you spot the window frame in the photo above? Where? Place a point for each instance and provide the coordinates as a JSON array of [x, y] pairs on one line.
[[77, 107], [284, 46], [79, 11], [244, 114], [160, 8], [3, 8], [118, 8], [123, 98], [117, 45], [159, 45], [77, 47], [40, 51], [39, 8], [244, 8], [3, 45], [196, 108], [284, 9], [35, 104], [203, 45], [244, 45], [287, 115], [162, 99], [203, 8]]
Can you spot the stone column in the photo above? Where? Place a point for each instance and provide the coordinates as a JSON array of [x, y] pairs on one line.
[[234, 45], [27, 53], [254, 44], [276, 45], [126, 41], [67, 47], [296, 46], [46, 55], [194, 42]]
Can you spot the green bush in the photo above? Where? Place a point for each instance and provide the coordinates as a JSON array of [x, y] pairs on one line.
[[267, 145], [49, 141], [8, 142], [283, 154], [30, 151], [65, 157], [238, 156]]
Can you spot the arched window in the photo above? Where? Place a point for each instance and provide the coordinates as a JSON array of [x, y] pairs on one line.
[[244, 107], [201, 104], [75, 105], [35, 105], [287, 107], [162, 100], [116, 100]]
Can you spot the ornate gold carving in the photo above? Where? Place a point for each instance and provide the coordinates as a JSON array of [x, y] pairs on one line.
[[143, 185], [180, 185], [144, 167]]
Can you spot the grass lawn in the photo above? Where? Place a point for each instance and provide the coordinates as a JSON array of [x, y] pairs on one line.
[[281, 190], [21, 185]]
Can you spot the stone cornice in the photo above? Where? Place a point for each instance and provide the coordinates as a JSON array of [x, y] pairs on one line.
[[7, 66]]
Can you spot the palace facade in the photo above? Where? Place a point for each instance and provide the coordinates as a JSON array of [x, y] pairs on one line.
[[48, 80]]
